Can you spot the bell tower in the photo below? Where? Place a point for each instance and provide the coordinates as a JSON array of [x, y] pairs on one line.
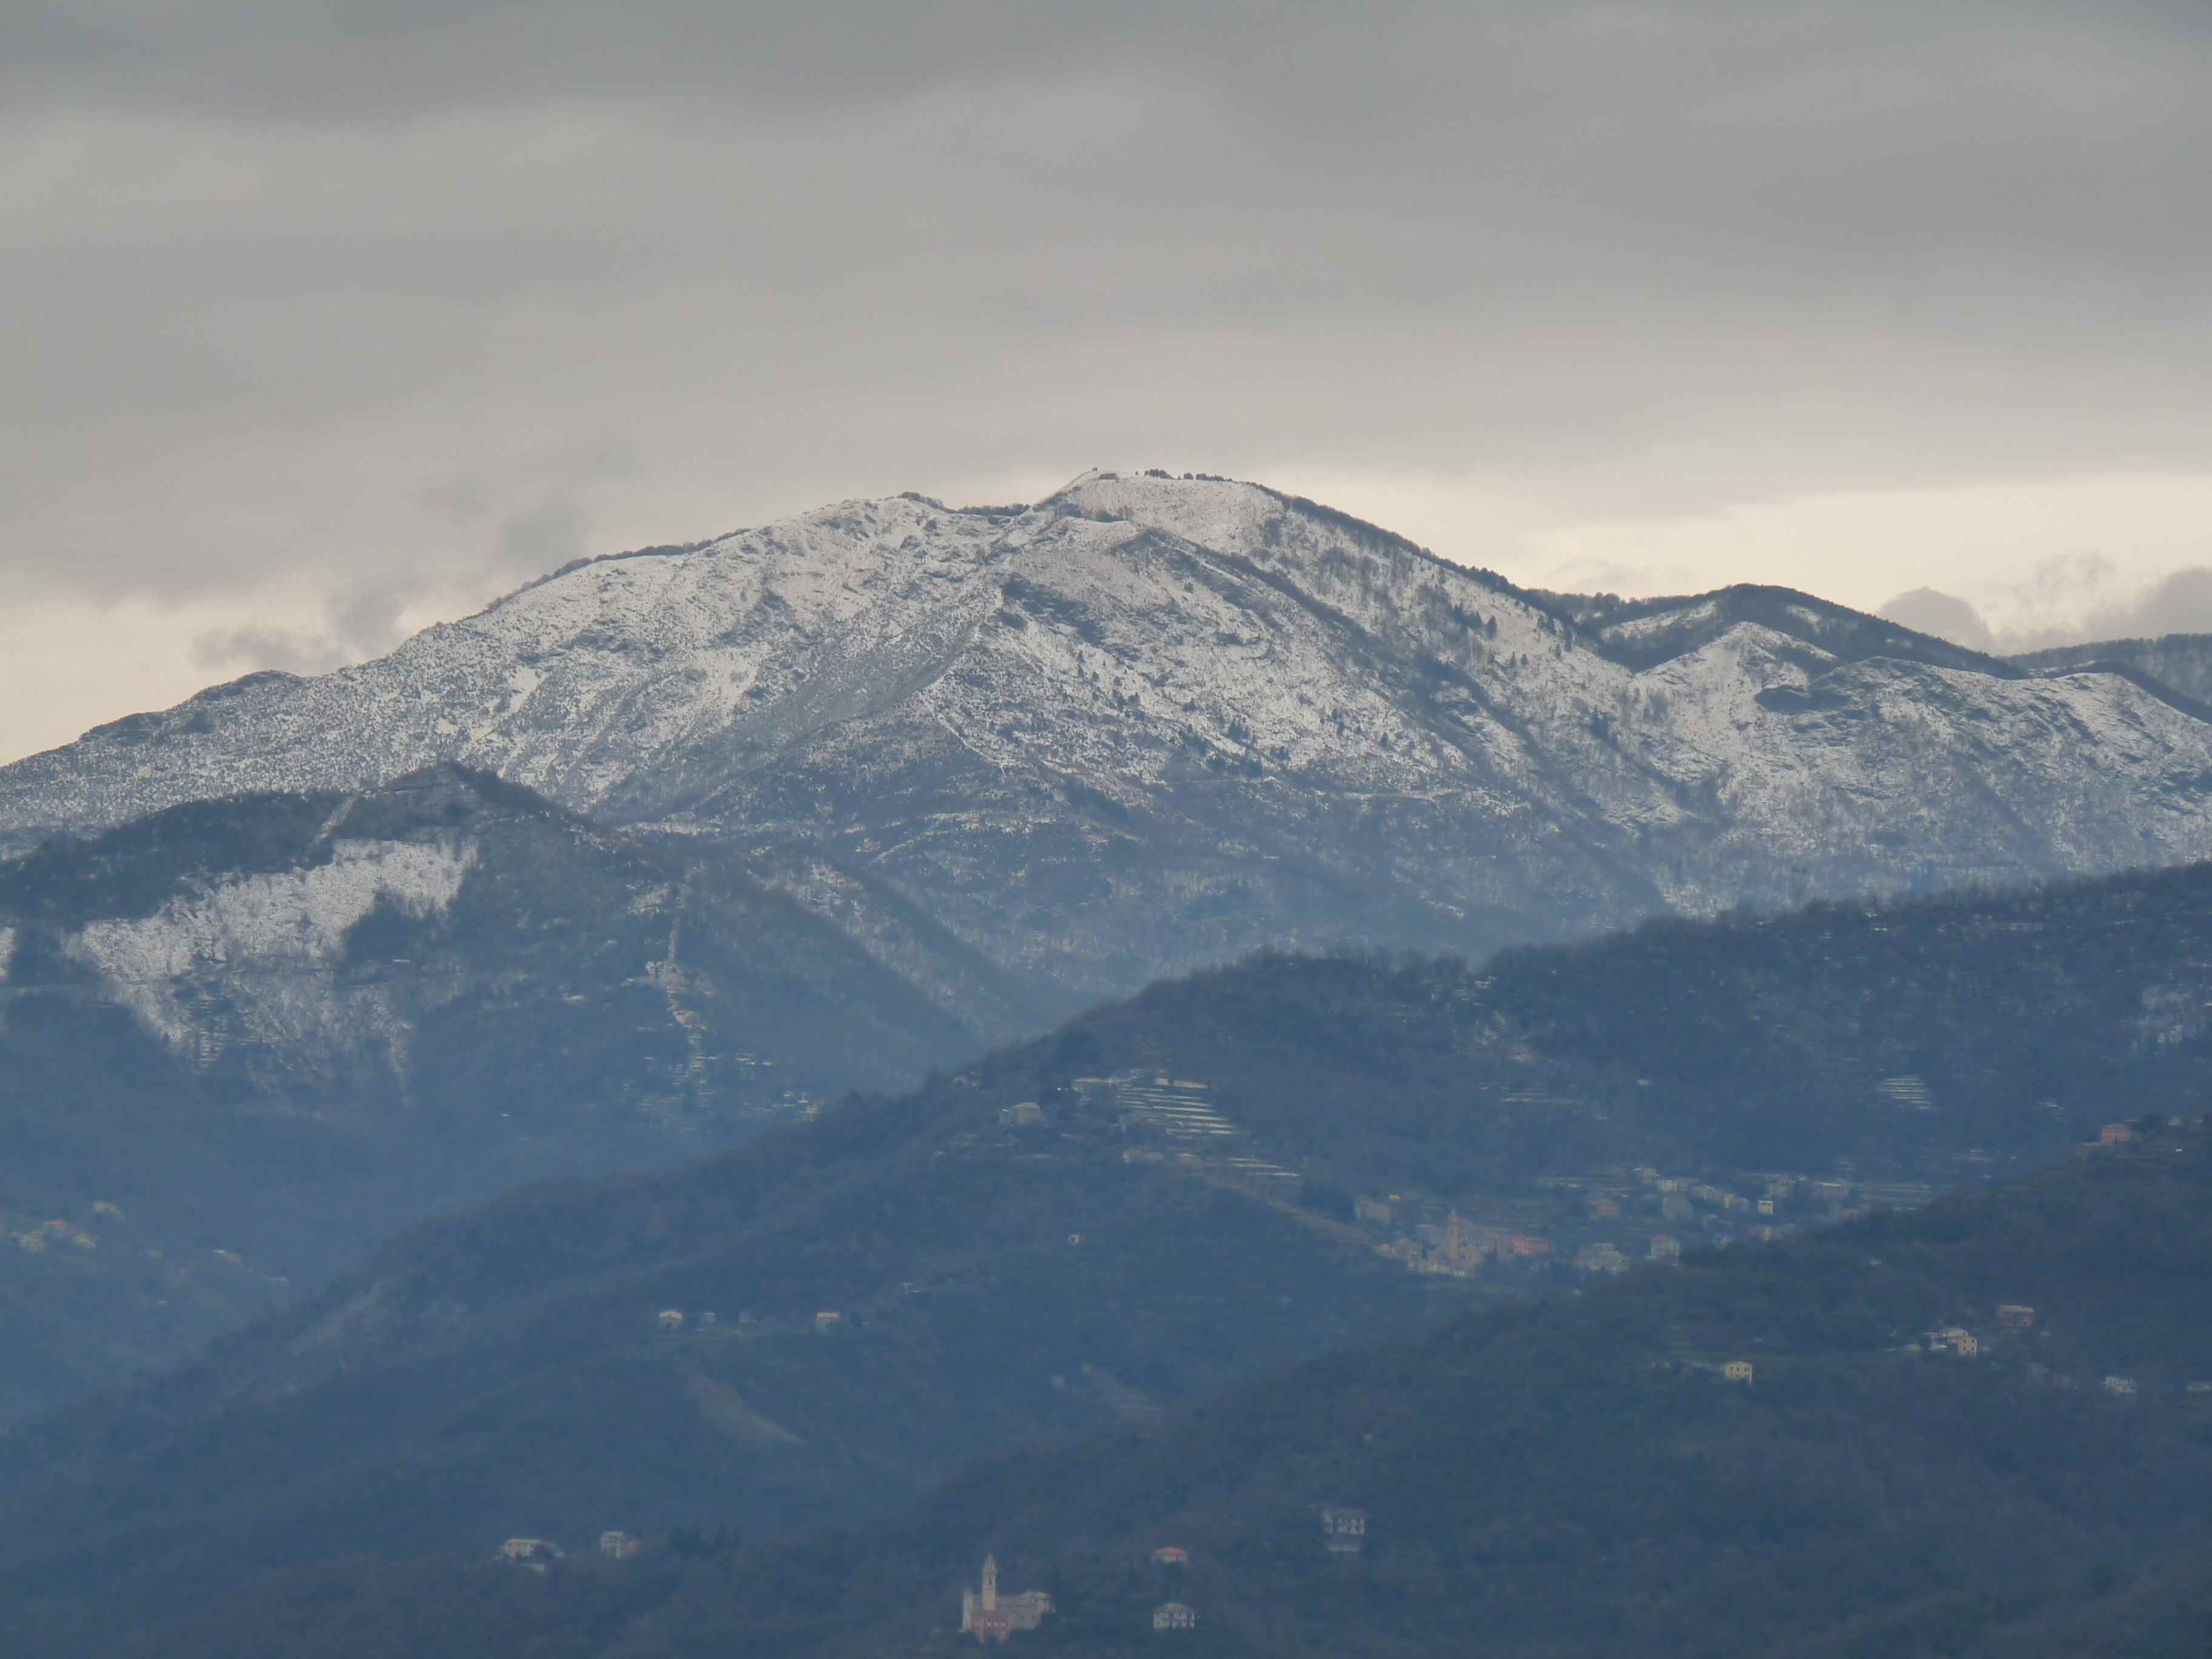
[[990, 1583]]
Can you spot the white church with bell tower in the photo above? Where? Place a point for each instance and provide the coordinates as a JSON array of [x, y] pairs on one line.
[[990, 1617]]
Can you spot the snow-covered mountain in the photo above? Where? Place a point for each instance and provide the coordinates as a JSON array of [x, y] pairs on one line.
[[1152, 721]]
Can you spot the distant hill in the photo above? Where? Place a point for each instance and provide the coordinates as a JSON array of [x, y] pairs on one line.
[[241, 1042], [1151, 723], [1578, 1479], [1644, 633], [1228, 1173], [2176, 663]]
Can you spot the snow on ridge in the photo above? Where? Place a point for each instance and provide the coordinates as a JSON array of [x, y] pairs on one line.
[[1210, 513], [295, 919], [1659, 622], [1181, 647], [7, 951], [1747, 650]]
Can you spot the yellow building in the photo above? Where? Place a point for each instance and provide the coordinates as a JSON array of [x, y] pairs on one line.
[[990, 1617]]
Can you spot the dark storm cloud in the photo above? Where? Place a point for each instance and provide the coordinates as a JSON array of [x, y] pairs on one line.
[[343, 269]]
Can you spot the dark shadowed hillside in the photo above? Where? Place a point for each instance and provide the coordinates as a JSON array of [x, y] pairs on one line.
[[1223, 1174], [1982, 1429], [242, 1041]]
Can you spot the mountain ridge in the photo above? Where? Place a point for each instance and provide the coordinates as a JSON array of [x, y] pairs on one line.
[[1153, 722]]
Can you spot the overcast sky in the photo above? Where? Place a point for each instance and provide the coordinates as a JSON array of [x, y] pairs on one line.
[[328, 320]]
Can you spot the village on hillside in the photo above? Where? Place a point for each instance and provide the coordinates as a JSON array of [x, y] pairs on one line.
[[1170, 1121], [1559, 1230], [1600, 1221]]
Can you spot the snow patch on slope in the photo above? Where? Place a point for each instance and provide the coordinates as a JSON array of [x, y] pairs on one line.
[[286, 930], [7, 951]]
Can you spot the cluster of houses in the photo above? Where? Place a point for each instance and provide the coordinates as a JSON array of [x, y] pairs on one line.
[[2013, 1318], [673, 1321], [1426, 1238], [37, 1239], [539, 1555], [1455, 1246], [2147, 1136], [1730, 1370]]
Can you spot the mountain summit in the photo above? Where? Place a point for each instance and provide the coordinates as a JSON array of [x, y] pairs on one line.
[[1152, 721]]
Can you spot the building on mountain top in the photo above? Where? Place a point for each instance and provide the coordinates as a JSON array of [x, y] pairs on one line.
[[2015, 1317], [1022, 1114], [990, 1617], [2115, 1134], [1665, 1248], [671, 1319], [534, 1554], [618, 1545], [2122, 1387], [826, 1321], [1736, 1371], [1173, 1615]]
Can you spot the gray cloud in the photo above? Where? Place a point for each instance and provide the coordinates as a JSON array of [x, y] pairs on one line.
[[358, 623], [1944, 614], [2180, 602], [220, 649], [416, 299], [544, 537]]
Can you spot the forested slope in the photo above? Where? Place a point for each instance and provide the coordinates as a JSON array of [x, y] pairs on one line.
[[1002, 1278], [1571, 1479], [243, 1042]]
